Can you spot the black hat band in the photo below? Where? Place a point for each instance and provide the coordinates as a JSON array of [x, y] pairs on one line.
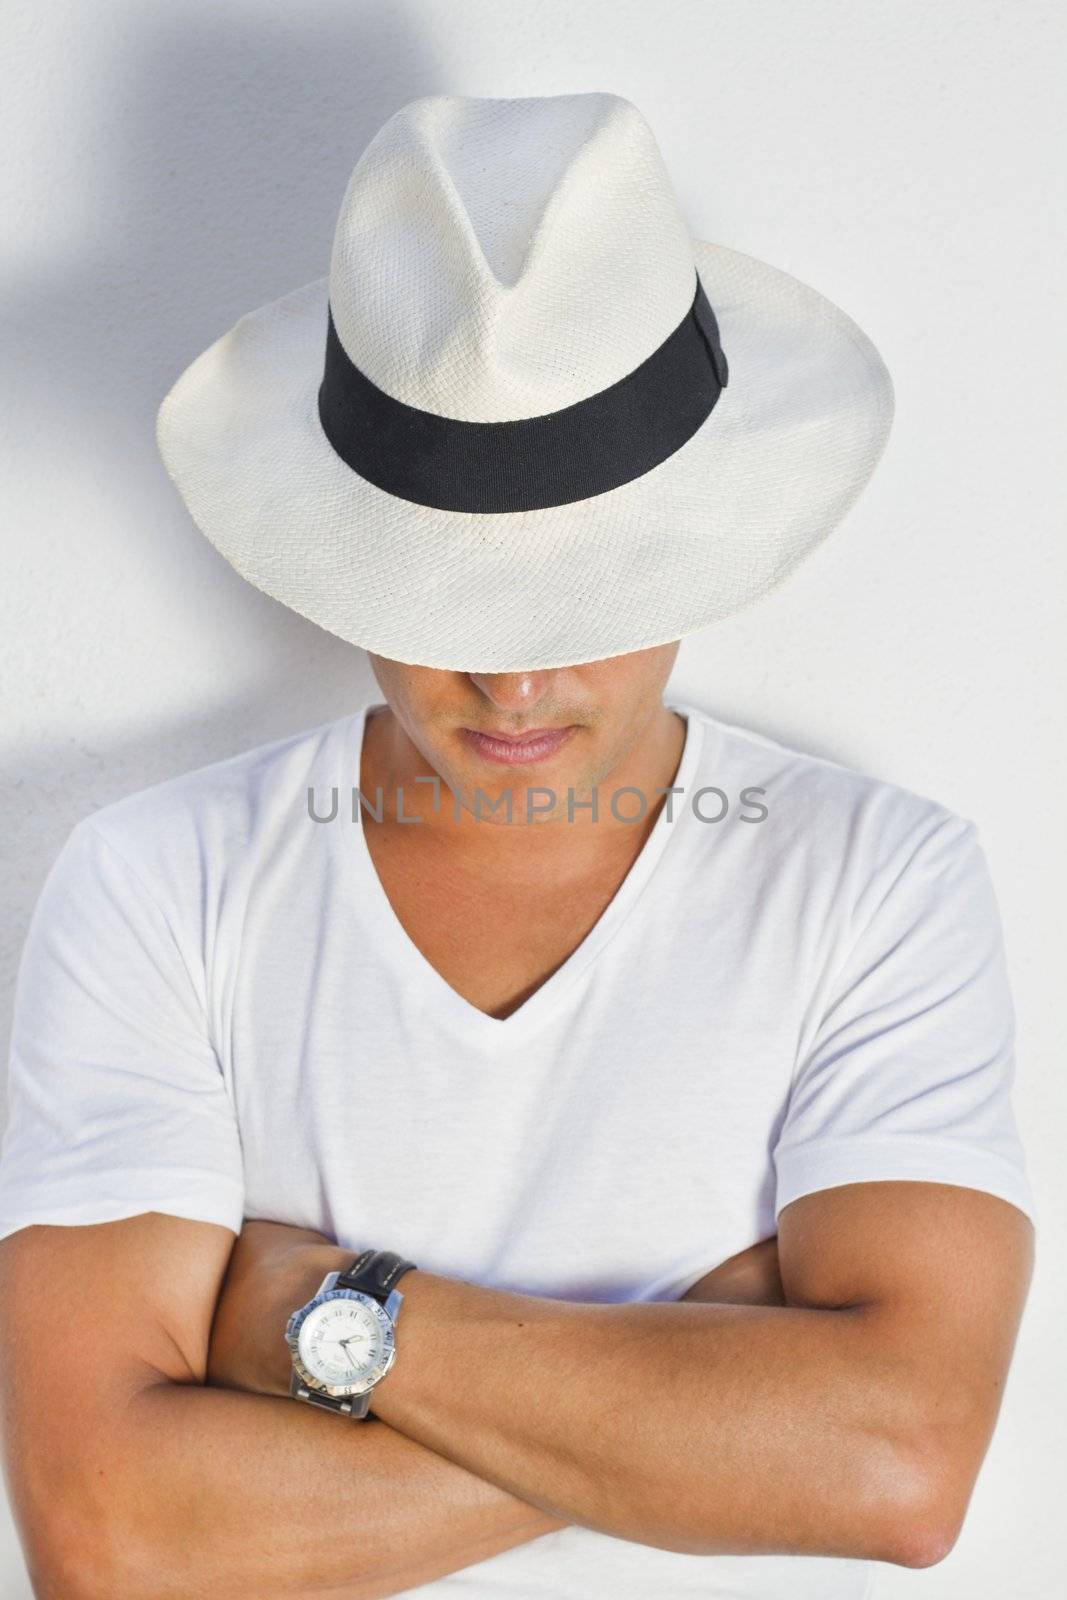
[[585, 449]]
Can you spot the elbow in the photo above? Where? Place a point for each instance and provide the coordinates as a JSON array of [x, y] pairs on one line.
[[913, 1510], [928, 1545], [922, 1541], [55, 1573], [912, 1541], [68, 1561], [82, 1528], [932, 1530]]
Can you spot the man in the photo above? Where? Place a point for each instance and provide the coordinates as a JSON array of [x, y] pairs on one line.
[[594, 1116]]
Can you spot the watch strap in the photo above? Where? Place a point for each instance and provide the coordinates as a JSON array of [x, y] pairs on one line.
[[374, 1272], [353, 1405]]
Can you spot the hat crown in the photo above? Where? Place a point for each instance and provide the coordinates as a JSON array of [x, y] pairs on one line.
[[496, 259]]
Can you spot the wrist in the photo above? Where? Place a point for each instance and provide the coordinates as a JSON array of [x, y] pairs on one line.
[[263, 1287], [306, 1267]]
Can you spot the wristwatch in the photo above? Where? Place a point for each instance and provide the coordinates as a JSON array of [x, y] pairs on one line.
[[343, 1341]]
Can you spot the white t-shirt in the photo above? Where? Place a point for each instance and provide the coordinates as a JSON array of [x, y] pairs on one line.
[[219, 1015]]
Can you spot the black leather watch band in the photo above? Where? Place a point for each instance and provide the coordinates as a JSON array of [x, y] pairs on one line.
[[374, 1272]]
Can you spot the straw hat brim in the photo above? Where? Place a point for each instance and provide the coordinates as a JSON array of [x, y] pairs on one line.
[[777, 464]]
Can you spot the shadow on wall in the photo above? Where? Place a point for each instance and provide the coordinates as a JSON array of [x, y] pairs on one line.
[[212, 164]]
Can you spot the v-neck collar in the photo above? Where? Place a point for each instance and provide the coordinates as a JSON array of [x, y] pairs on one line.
[[427, 985]]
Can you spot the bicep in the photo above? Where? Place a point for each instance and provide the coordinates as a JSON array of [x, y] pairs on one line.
[[937, 1275], [88, 1316], [139, 1292], [902, 1190]]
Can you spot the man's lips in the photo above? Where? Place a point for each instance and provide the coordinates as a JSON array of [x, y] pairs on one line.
[[533, 744]]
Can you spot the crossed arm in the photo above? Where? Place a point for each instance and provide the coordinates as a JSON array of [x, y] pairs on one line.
[[843, 1408]]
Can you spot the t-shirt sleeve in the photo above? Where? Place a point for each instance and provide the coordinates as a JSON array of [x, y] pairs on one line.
[[116, 1099], [909, 1069]]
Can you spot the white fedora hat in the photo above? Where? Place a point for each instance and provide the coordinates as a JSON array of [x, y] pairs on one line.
[[527, 420]]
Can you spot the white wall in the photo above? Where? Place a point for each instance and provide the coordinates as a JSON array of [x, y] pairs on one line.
[[171, 166]]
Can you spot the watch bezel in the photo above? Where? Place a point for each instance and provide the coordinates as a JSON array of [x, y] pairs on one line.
[[341, 1390]]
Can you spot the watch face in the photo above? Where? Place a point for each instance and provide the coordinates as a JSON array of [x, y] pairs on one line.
[[345, 1343]]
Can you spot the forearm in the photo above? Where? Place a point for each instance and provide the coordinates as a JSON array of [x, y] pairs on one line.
[[421, 1515], [212, 1491], [704, 1428], [434, 1515]]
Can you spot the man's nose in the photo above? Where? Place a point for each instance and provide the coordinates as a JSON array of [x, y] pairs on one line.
[[513, 691]]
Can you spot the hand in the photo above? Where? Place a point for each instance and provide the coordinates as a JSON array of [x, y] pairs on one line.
[[749, 1278], [274, 1267]]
